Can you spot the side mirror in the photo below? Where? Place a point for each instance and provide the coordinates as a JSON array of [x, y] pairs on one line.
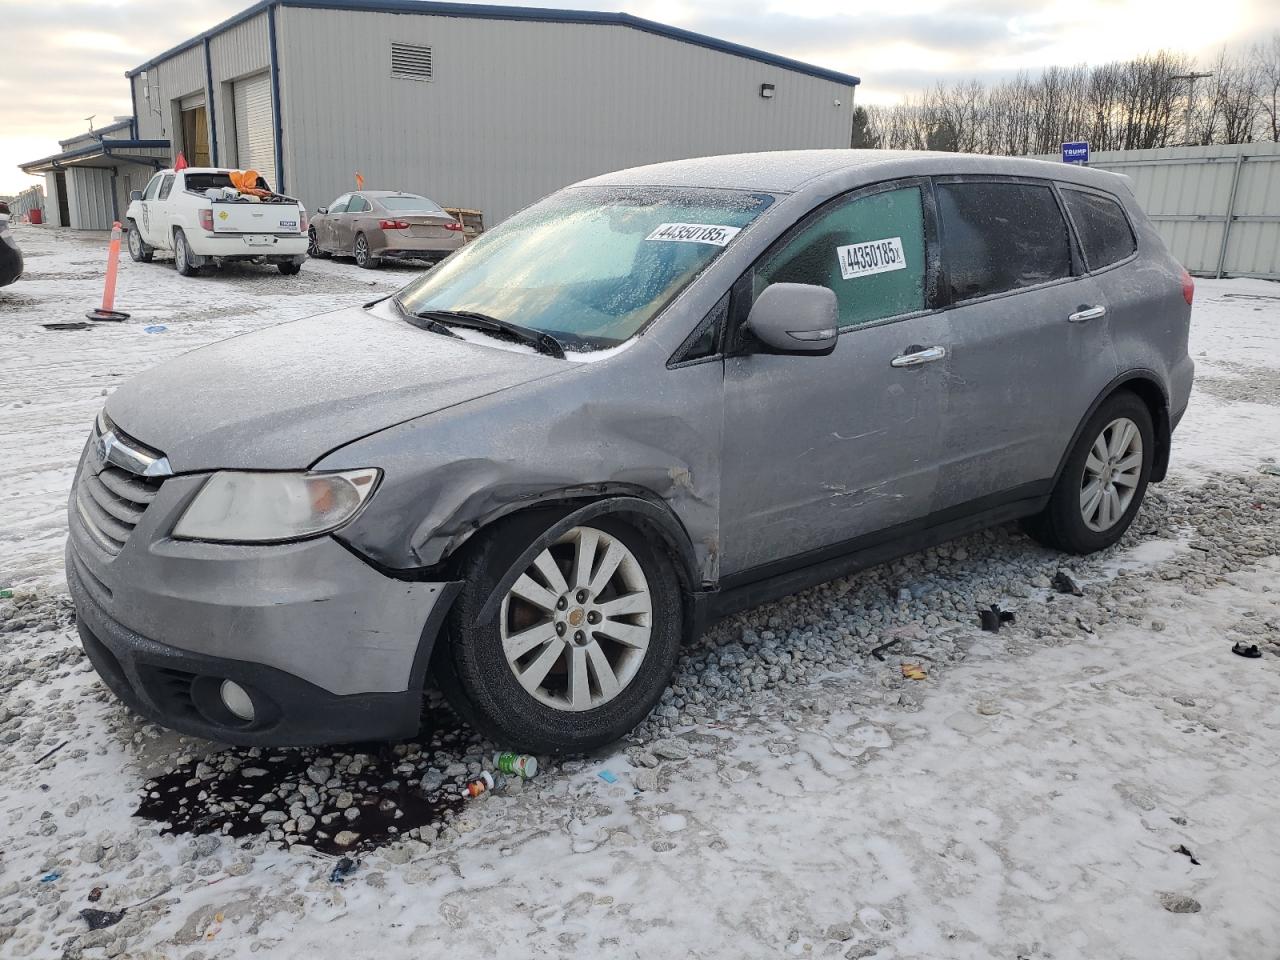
[[796, 318], [320, 210], [135, 195]]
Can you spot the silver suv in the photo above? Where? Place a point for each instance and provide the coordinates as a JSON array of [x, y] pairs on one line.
[[649, 400]]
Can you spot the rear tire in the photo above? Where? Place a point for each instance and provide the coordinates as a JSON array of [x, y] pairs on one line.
[[1104, 481], [478, 676], [139, 250], [363, 257], [182, 256], [288, 268]]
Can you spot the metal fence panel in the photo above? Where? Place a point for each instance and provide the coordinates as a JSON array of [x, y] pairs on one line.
[[1217, 207]]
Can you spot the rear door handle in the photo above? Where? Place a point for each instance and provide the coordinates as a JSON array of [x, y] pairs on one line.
[[917, 355], [1087, 313]]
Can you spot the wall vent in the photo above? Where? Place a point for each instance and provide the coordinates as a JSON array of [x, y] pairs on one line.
[[409, 61]]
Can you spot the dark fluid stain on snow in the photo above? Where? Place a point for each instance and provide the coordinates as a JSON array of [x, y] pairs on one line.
[[391, 802]]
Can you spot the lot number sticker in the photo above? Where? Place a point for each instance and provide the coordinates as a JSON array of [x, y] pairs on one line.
[[694, 233], [873, 256]]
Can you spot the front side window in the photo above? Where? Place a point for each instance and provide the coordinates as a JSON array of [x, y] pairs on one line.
[[153, 187], [1103, 228], [999, 236], [166, 187], [589, 265], [870, 250]]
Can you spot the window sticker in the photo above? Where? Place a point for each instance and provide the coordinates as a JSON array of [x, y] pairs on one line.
[[712, 233], [872, 256]]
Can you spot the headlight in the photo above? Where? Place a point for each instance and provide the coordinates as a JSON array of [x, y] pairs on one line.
[[242, 507]]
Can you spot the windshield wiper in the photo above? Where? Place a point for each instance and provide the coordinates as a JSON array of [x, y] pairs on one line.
[[538, 339], [421, 322]]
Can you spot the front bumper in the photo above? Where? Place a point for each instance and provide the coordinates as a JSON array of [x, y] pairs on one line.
[[334, 650]]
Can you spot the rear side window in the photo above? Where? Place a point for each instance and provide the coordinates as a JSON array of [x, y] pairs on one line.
[[1104, 230], [166, 187], [870, 250], [1001, 236], [357, 205]]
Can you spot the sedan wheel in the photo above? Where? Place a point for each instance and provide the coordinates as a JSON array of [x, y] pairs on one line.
[[1111, 475], [313, 244], [363, 258], [576, 624]]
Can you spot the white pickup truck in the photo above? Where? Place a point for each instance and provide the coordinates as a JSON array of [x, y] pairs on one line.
[[197, 215]]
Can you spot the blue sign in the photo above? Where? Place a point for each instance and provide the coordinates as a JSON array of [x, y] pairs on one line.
[[1077, 152]]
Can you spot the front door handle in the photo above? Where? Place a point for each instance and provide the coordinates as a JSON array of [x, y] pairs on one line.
[[1087, 313], [917, 355]]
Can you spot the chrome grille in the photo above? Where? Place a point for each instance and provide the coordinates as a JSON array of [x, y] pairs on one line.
[[111, 498]]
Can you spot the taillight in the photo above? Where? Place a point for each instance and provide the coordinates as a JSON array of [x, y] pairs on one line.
[[393, 224], [1188, 287], [206, 220], [302, 221], [453, 225]]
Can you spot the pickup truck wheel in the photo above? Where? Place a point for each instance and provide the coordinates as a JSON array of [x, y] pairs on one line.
[[313, 245], [581, 646], [363, 258], [1104, 480], [138, 248], [289, 268], [182, 255]]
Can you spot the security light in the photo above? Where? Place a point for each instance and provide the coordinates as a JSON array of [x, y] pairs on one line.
[[766, 90]]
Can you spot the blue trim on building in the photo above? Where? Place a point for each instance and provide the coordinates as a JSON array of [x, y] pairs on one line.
[[104, 147], [532, 14], [210, 101], [275, 98]]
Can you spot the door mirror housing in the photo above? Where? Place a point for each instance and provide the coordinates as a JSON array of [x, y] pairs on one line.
[[135, 195], [321, 210], [796, 318]]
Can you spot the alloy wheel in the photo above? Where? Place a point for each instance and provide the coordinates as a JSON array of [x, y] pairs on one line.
[[135, 244], [362, 250], [1111, 474], [313, 245], [576, 624]]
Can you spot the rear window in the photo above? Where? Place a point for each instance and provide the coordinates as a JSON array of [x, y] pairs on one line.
[[200, 182], [1000, 236], [408, 204], [1104, 230]]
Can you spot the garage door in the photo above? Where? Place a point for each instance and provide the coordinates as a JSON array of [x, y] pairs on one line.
[[255, 128]]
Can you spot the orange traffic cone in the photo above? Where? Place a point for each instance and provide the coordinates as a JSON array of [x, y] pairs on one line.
[[105, 312]]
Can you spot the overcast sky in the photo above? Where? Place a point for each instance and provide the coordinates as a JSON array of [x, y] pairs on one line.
[[62, 60]]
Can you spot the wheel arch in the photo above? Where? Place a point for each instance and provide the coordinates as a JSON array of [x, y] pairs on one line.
[[555, 513], [1149, 389]]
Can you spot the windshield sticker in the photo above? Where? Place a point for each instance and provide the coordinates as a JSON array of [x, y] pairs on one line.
[[872, 256], [694, 233]]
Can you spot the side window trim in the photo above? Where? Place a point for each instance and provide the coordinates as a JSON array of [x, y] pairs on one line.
[[741, 299], [1124, 212], [1001, 178]]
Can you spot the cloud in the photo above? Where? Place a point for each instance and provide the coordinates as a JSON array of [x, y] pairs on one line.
[[62, 60]]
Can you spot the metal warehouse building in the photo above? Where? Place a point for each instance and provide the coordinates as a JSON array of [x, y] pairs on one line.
[[476, 106]]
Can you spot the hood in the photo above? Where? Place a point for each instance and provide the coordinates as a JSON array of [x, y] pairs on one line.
[[281, 398]]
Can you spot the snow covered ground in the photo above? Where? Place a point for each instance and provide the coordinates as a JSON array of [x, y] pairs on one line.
[[1099, 779]]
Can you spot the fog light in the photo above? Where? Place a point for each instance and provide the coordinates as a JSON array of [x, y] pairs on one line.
[[236, 699]]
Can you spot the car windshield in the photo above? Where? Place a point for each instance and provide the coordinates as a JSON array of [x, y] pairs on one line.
[[589, 265], [407, 203]]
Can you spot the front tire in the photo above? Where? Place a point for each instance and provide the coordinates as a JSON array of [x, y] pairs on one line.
[[362, 255], [313, 245], [1104, 480], [182, 255], [139, 250], [581, 646]]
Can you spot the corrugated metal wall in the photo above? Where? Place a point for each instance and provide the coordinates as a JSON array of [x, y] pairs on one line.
[[518, 109], [171, 80], [1196, 196], [241, 51], [89, 198]]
